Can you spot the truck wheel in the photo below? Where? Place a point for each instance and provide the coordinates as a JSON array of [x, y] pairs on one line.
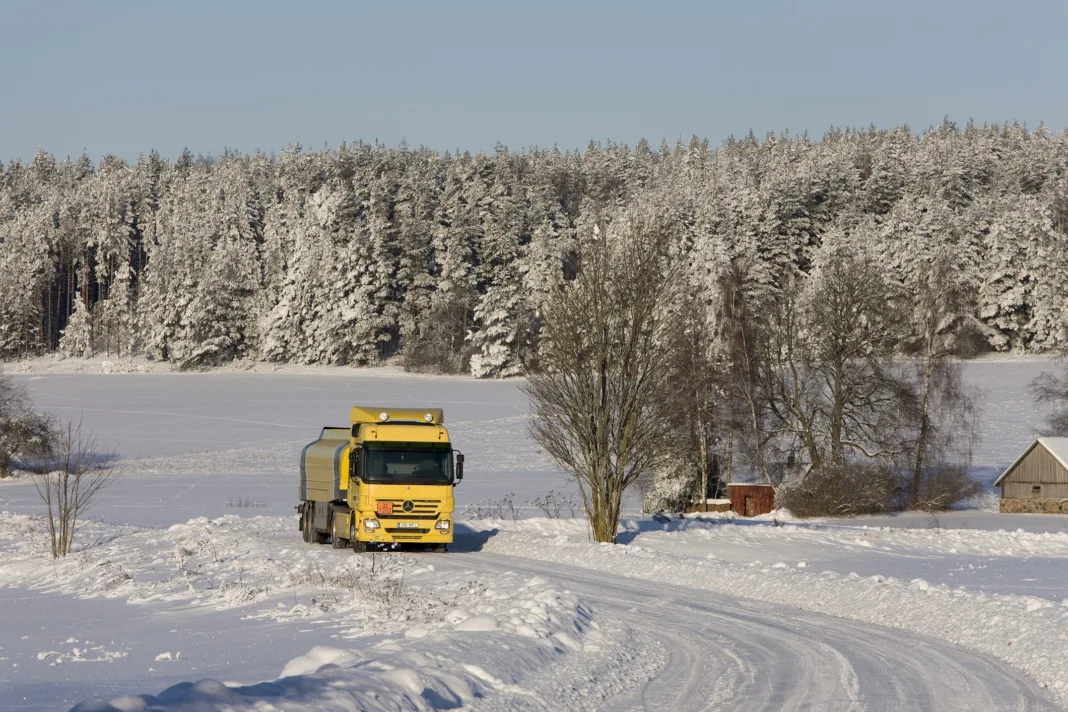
[[337, 542], [306, 525], [441, 548], [358, 547]]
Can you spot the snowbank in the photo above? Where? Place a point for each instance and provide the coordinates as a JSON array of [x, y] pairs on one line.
[[429, 639], [513, 631]]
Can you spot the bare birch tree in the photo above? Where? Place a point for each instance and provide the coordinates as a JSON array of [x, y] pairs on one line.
[[79, 470], [946, 415], [603, 394], [699, 369]]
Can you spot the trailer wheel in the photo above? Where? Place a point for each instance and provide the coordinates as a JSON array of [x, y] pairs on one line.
[[358, 547]]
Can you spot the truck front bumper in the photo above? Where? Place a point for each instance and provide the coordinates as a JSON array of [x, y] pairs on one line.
[[389, 531]]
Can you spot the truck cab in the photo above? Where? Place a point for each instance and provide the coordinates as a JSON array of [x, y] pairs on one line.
[[387, 478]]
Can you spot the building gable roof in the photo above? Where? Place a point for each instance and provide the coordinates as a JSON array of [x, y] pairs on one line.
[[1058, 447]]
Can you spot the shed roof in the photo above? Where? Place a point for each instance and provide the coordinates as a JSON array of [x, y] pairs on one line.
[[757, 484], [1058, 447]]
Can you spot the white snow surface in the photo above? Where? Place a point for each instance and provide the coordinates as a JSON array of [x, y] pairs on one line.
[[191, 577]]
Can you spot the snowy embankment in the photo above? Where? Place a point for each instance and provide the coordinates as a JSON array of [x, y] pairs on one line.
[[1027, 632], [430, 639]]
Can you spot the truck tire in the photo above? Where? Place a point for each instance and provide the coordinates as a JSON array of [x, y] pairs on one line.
[[440, 548], [306, 525], [358, 547], [336, 542]]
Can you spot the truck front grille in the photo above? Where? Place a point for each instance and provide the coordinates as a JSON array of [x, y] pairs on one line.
[[421, 508], [407, 531]]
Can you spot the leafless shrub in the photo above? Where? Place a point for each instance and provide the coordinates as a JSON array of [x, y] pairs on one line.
[[945, 486], [246, 502], [840, 491], [553, 504], [504, 508], [474, 510], [371, 580], [78, 471]]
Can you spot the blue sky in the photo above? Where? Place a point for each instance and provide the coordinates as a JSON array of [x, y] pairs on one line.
[[126, 77]]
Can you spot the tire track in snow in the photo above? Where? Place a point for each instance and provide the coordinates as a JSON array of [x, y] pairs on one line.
[[732, 654]]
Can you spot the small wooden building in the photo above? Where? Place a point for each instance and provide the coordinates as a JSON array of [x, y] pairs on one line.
[[1038, 480], [749, 499]]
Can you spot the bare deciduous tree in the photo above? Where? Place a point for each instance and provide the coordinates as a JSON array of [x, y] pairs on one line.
[[79, 470], [822, 377], [940, 309], [23, 431], [746, 408], [699, 369], [603, 394], [1052, 391], [820, 402]]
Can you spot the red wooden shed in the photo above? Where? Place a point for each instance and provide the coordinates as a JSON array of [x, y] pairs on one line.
[[749, 499]]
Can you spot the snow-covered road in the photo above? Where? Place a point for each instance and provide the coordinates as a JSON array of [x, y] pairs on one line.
[[725, 653]]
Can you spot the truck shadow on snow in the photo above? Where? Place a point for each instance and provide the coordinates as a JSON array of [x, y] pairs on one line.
[[468, 540]]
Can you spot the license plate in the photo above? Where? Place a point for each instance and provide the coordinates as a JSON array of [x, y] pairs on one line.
[[385, 508], [408, 525]]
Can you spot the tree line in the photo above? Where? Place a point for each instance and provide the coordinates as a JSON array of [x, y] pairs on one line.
[[446, 262]]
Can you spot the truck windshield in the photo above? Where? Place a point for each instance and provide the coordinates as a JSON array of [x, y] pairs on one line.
[[423, 467]]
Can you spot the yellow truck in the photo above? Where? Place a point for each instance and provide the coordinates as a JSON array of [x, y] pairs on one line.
[[387, 478]]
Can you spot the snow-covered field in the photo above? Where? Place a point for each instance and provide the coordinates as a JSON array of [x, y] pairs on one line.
[[180, 597]]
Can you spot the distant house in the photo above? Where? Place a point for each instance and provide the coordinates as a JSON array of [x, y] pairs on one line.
[[1038, 480]]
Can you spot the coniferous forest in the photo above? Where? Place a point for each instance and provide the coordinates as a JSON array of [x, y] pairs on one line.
[[361, 253]]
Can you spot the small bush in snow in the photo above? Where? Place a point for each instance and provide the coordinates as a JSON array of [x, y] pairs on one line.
[[24, 433], [943, 487], [553, 504], [504, 508], [840, 491], [246, 502]]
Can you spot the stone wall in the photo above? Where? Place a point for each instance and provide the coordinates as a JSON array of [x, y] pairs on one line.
[[1033, 506]]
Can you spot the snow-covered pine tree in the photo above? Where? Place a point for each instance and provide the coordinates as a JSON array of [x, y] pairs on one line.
[[418, 195], [457, 231], [499, 336], [77, 338]]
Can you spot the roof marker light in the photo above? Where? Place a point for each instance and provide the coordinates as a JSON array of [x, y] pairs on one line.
[[429, 417], [383, 416]]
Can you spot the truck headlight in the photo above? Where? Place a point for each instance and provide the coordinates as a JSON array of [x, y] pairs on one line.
[[371, 524], [443, 525]]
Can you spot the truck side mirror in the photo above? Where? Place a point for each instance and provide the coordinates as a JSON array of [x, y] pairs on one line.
[[459, 466]]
